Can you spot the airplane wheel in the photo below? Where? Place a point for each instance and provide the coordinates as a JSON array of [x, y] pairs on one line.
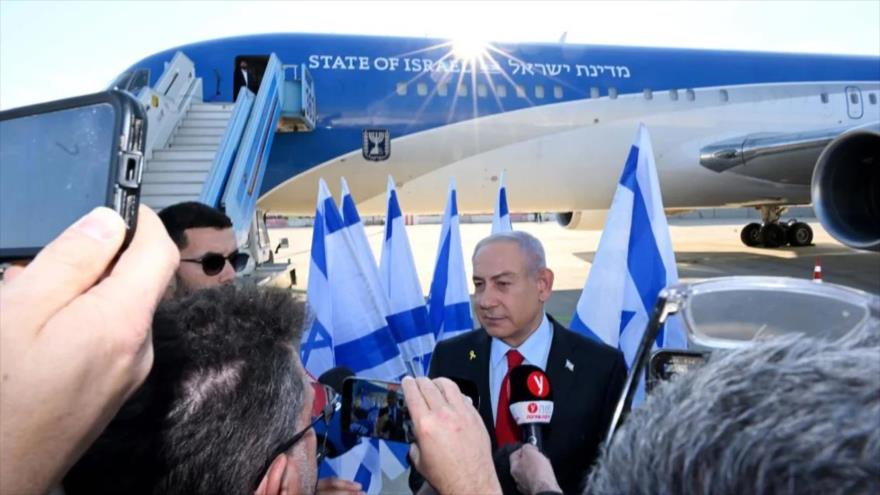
[[750, 235], [800, 234], [773, 235]]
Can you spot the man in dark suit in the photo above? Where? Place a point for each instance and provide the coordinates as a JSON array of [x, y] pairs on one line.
[[512, 283], [391, 419], [244, 77]]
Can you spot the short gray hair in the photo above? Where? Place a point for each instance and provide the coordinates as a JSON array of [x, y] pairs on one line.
[[793, 415], [528, 244]]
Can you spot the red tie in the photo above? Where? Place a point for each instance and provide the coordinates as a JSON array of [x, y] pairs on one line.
[[506, 430]]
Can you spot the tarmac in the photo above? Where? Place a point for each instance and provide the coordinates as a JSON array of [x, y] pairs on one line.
[[704, 248]]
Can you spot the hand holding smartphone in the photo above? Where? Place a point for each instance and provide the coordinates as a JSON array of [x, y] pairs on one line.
[[376, 409], [59, 160]]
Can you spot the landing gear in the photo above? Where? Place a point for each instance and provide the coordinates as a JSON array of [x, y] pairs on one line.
[[799, 234], [772, 233], [750, 235]]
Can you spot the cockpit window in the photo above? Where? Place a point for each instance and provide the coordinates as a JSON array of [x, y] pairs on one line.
[[132, 81]]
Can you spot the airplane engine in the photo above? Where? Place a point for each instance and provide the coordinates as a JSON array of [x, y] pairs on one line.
[[582, 220], [846, 189]]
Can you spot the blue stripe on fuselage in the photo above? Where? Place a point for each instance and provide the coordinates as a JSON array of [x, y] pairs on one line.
[[350, 99]]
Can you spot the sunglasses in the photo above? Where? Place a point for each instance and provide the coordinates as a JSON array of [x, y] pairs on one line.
[[325, 404], [213, 263], [324, 407]]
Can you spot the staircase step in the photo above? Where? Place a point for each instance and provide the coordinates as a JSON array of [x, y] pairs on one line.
[[171, 189], [178, 166], [203, 123], [200, 131], [176, 177], [212, 107], [183, 155], [208, 115], [192, 147], [159, 201], [179, 141]]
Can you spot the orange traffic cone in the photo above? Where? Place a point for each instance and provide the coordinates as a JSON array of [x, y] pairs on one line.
[[817, 272]]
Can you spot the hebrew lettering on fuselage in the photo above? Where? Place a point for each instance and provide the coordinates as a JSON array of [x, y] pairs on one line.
[[520, 67], [556, 69], [450, 65]]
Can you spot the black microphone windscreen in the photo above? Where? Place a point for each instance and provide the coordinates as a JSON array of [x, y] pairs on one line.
[[529, 383], [531, 397], [334, 377]]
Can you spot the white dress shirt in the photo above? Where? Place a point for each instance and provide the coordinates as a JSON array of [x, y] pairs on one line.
[[535, 350]]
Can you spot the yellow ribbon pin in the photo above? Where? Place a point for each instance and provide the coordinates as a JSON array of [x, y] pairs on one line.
[[472, 355]]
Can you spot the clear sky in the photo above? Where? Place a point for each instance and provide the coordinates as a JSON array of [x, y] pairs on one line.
[[51, 50]]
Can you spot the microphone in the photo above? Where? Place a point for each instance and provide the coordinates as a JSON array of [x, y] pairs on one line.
[[336, 441], [334, 377], [531, 402]]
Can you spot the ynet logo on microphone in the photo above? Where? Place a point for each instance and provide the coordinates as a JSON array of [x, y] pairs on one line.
[[534, 411], [538, 384]]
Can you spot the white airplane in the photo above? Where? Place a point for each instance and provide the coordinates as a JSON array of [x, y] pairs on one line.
[[729, 129]]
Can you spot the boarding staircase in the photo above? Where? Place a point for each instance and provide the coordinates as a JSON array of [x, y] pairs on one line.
[[217, 153], [178, 171]]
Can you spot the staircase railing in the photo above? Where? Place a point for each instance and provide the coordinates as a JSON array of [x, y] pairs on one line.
[[246, 178], [168, 101], [221, 168]]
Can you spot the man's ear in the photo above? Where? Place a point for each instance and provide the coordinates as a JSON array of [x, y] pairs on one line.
[[545, 284], [275, 479]]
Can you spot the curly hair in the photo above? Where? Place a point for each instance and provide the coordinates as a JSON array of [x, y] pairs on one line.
[[224, 392]]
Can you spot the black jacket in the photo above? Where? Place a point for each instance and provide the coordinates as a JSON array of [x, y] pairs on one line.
[[586, 378]]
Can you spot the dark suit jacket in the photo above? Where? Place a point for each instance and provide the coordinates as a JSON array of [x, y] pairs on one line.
[[392, 426], [238, 82], [584, 396]]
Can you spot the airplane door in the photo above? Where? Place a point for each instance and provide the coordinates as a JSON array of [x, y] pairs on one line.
[[854, 107]]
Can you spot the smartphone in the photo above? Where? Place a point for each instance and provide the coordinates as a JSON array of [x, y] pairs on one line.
[[59, 160], [376, 409], [666, 364]]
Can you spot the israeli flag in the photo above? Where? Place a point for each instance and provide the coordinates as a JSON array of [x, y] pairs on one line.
[[348, 327], [449, 303], [633, 263], [347, 303], [501, 218], [355, 227], [362, 464], [408, 317], [316, 348]]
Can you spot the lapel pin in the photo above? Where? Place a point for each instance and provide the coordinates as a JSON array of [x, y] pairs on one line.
[[472, 355], [569, 365]]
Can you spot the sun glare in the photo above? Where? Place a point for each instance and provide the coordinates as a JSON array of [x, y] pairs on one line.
[[469, 49]]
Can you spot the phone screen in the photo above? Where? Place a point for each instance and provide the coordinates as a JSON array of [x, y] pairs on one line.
[[373, 408], [54, 168]]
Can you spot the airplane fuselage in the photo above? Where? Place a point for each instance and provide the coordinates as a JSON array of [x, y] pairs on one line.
[[557, 118]]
